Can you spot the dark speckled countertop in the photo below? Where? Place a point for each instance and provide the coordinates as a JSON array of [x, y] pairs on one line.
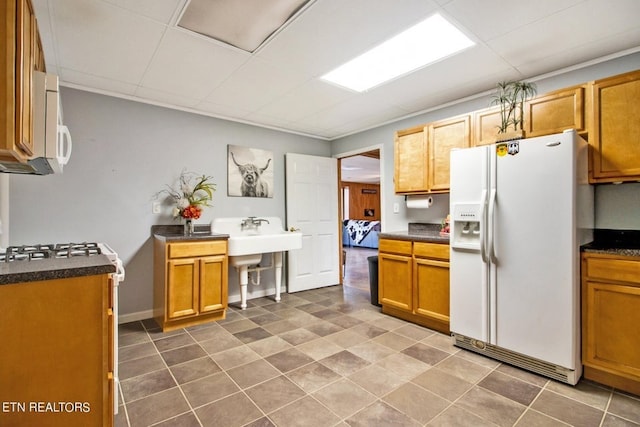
[[54, 268], [418, 232], [615, 242], [176, 233]]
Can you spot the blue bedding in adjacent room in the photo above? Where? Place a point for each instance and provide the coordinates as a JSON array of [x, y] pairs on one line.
[[360, 233]]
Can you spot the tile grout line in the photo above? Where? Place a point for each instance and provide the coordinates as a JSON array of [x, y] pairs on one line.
[[177, 384]]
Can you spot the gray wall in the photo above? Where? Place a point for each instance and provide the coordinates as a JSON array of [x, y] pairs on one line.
[[617, 206], [124, 153]]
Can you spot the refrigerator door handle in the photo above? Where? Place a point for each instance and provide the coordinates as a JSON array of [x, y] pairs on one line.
[[483, 228], [492, 209]]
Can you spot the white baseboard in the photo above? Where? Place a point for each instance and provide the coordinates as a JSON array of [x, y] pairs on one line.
[[148, 314], [132, 317]]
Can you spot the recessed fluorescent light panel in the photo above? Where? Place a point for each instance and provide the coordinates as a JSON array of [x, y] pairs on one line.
[[424, 43]]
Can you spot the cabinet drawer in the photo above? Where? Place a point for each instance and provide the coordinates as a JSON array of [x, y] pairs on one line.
[[431, 250], [613, 270], [194, 249], [395, 246]]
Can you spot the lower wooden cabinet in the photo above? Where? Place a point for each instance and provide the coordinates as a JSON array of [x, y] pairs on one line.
[[610, 319], [190, 282], [414, 282], [56, 367], [395, 275]]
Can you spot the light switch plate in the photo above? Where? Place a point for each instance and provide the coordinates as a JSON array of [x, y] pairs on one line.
[[396, 208], [155, 207]]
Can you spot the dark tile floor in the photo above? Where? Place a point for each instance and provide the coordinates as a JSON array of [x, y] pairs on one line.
[[327, 357]]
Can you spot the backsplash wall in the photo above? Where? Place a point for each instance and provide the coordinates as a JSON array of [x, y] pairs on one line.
[[618, 206]]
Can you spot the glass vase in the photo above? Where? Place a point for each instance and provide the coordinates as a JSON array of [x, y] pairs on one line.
[[188, 227]]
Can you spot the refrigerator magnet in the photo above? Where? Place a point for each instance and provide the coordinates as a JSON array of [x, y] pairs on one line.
[[501, 150], [513, 147]]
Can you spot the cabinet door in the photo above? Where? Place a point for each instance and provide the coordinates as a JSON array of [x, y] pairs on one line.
[[182, 284], [616, 128], [612, 316], [485, 126], [431, 298], [555, 112], [213, 283], [26, 54], [395, 281], [444, 136], [38, 57], [410, 161]]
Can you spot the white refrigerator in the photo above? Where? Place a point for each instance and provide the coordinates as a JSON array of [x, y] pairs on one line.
[[519, 212]]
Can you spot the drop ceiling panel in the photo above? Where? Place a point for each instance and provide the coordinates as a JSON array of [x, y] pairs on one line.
[[158, 10], [189, 65], [97, 38], [576, 55], [166, 98], [488, 21], [100, 84], [257, 83], [366, 109], [306, 99], [539, 40], [132, 48], [222, 110]]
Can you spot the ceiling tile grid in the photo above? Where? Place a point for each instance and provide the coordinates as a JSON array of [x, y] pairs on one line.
[[134, 49]]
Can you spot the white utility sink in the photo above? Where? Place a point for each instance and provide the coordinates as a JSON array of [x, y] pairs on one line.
[[251, 237]]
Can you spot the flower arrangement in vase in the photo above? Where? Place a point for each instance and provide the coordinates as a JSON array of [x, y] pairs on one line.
[[194, 193]]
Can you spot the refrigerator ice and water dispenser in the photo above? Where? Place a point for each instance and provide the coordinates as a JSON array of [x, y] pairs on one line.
[[466, 226]]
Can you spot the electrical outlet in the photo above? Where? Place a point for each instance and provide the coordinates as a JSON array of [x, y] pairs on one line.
[[155, 207]]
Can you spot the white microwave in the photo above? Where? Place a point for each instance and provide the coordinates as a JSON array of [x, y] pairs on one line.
[[51, 139]]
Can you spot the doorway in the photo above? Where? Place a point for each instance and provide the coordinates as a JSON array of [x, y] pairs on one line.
[[361, 204]]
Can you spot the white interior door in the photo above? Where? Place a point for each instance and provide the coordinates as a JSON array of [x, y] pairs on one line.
[[312, 208]]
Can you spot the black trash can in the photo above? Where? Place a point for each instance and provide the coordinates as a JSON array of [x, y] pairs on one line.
[[373, 279]]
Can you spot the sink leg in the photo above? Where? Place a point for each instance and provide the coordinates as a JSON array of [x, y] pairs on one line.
[[277, 261], [243, 281]]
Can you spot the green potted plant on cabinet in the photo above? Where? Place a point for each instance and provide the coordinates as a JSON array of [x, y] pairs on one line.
[[511, 96]]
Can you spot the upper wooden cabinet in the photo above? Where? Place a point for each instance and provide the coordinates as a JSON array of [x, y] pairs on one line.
[[20, 54], [422, 155], [555, 112], [444, 136], [614, 136], [410, 159], [485, 126], [551, 113]]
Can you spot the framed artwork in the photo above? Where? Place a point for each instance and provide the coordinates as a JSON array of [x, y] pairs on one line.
[[250, 172]]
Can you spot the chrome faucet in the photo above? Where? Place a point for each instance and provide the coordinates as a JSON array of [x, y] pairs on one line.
[[252, 223]]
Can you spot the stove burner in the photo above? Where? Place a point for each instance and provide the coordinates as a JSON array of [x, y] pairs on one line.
[[43, 251]]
